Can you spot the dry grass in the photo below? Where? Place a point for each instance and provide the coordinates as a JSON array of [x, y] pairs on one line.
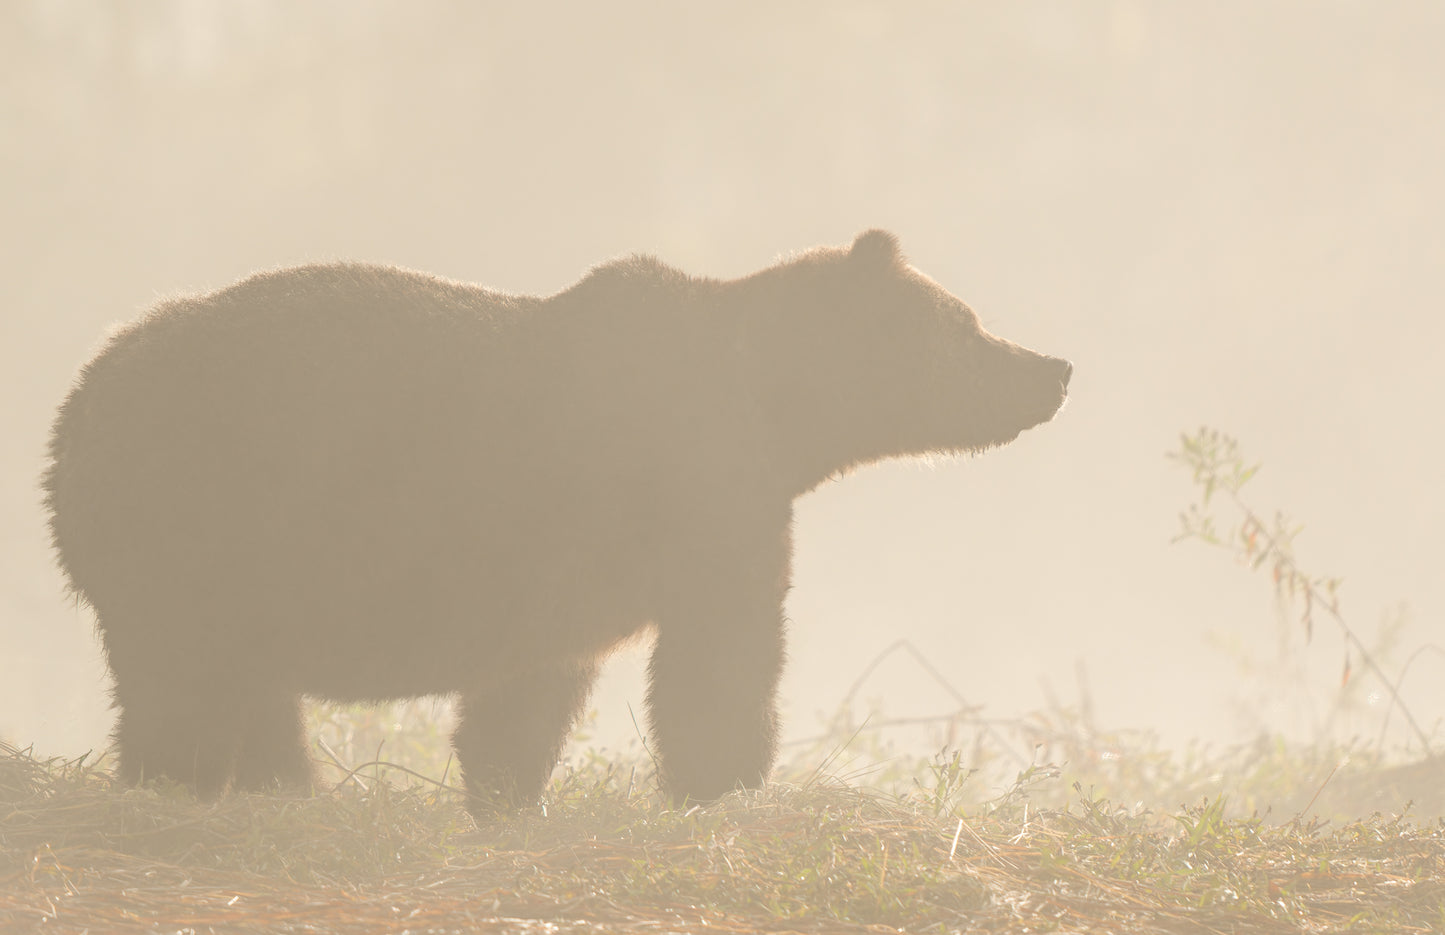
[[78, 853]]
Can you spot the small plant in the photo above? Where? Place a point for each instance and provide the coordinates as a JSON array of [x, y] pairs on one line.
[[1219, 468]]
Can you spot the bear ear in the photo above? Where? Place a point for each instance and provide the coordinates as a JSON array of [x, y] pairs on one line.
[[876, 248]]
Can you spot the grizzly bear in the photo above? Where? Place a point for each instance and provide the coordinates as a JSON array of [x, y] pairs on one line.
[[362, 483]]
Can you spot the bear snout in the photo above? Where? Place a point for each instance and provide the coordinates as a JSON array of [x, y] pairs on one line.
[[1037, 386]]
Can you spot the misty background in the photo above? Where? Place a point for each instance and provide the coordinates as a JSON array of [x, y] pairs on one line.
[[1225, 214]]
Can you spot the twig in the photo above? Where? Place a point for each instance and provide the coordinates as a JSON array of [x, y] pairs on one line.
[[351, 774], [1311, 802], [937, 676], [1401, 680], [1283, 559]]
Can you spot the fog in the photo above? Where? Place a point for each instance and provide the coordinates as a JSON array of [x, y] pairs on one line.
[[1226, 214]]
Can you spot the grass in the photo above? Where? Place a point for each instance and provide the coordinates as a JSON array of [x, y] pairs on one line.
[[931, 846], [1048, 824]]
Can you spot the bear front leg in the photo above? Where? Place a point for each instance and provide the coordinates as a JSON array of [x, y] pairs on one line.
[[712, 693], [273, 744], [510, 734]]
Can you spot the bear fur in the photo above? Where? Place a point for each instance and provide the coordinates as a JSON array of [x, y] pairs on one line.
[[363, 483]]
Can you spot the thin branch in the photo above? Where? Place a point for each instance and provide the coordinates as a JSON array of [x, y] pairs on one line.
[[1282, 558]]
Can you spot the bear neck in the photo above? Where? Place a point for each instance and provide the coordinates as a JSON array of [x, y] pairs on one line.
[[799, 376]]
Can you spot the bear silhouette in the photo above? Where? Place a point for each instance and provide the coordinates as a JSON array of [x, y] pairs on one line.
[[363, 483]]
